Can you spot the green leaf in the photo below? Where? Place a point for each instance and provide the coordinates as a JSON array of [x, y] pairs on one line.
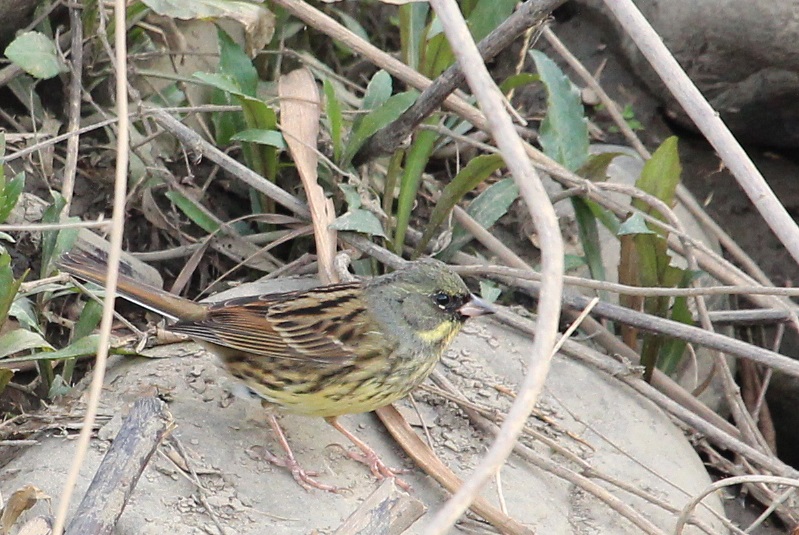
[[89, 319], [9, 195], [58, 387], [596, 168], [471, 176], [226, 124], [674, 348], [24, 311], [36, 54], [486, 209], [518, 80], [412, 20], [236, 64], [5, 377], [415, 163], [9, 286], [377, 119], [193, 211], [378, 91], [589, 238], [359, 220], [351, 196], [438, 54], [56, 242], [335, 118], [20, 340], [660, 176], [564, 131], [489, 291], [224, 82], [635, 224], [272, 138], [487, 15], [84, 347], [572, 262], [352, 24]]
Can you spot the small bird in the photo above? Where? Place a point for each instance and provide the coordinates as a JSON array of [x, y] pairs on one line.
[[332, 350]]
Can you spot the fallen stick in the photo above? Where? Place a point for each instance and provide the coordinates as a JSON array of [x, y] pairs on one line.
[[142, 430]]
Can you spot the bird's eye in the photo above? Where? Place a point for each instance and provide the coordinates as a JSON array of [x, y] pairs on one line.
[[442, 300]]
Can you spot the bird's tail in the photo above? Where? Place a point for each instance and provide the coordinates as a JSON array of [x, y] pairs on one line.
[[92, 268]]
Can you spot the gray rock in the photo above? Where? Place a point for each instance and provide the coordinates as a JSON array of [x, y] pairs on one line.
[[742, 55], [593, 416]]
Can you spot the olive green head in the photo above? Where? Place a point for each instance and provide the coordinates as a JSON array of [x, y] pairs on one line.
[[424, 300]]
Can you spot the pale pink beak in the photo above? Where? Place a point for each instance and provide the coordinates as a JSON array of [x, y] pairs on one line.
[[475, 307]]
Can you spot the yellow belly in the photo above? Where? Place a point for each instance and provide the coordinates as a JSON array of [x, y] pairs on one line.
[[346, 391]]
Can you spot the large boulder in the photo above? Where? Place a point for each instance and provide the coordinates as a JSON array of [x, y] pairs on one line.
[[741, 54], [590, 414]]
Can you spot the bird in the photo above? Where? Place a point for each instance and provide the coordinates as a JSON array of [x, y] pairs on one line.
[[328, 351]]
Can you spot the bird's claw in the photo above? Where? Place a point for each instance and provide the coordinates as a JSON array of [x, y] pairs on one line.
[[306, 479], [376, 465]]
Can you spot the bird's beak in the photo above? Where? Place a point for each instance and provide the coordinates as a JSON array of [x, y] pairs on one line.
[[475, 307]]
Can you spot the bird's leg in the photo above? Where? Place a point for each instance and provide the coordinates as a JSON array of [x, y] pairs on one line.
[[368, 456], [305, 479]]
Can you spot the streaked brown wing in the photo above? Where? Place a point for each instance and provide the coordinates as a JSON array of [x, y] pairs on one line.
[[318, 324]]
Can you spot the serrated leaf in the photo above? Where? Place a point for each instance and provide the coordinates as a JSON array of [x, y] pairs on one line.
[[437, 54], [572, 262], [352, 24], [36, 54], [21, 340], [588, 231], [272, 138], [564, 132], [359, 220]]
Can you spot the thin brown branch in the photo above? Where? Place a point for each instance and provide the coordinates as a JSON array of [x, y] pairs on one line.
[[530, 14]]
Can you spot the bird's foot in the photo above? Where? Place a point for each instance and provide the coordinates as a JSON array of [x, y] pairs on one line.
[[370, 458], [306, 479]]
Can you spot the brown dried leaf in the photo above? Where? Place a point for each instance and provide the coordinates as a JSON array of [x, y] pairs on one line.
[[19, 502], [300, 112]]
